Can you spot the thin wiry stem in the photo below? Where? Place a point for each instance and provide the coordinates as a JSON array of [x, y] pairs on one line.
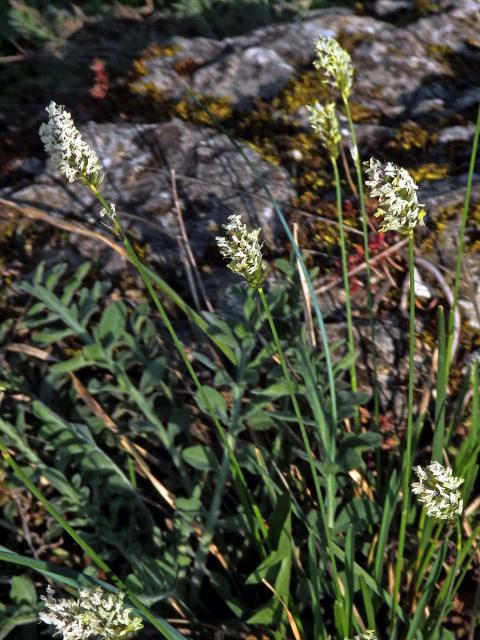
[[407, 458], [306, 442], [461, 244], [346, 280], [446, 604], [366, 248]]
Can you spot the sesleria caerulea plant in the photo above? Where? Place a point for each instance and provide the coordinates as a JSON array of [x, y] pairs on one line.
[[304, 526]]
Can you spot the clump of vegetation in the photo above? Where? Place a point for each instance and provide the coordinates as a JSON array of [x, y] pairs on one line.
[[239, 483]]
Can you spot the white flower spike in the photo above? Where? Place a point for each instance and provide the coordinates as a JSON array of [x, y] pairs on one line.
[[244, 251], [65, 146], [437, 490], [336, 63], [324, 121], [96, 614], [397, 196], [366, 635]]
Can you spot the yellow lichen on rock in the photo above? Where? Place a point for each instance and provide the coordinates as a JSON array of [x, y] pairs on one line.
[[411, 136], [429, 171]]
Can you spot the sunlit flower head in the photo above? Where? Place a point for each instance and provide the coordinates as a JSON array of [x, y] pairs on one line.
[[324, 122], [95, 614], [437, 490], [244, 251], [66, 148], [396, 192], [336, 63], [366, 635]]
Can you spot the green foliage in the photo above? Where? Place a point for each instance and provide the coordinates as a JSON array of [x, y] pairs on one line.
[[117, 352]]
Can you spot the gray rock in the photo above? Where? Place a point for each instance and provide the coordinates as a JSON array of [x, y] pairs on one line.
[[457, 134], [256, 65], [428, 106], [388, 8], [256, 72]]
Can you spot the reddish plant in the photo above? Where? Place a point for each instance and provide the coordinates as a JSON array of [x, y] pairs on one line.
[[101, 84]]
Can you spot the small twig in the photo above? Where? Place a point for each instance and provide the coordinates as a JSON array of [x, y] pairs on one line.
[[351, 184], [19, 57], [186, 242], [189, 272], [37, 214], [363, 266], [448, 293], [25, 529]]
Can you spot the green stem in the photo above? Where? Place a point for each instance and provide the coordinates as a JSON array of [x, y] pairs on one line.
[[165, 629], [251, 509], [366, 248], [446, 604], [346, 281], [306, 442], [461, 244], [407, 458]]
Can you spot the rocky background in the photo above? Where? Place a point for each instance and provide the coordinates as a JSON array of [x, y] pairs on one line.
[[151, 101]]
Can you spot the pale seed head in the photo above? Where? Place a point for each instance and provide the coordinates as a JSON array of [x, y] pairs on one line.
[[396, 192], [68, 151], [95, 614], [324, 122], [244, 251], [437, 490], [336, 63]]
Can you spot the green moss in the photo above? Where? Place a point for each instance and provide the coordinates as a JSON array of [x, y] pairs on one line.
[[216, 110], [307, 88]]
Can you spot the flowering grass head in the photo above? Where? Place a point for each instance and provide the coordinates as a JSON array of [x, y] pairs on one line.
[[324, 122], [244, 251], [66, 148], [336, 63], [366, 635], [397, 196], [95, 614], [437, 490]]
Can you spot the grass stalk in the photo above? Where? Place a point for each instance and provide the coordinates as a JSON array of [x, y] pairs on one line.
[[346, 280], [366, 248], [407, 458], [296, 249], [252, 510], [461, 243], [447, 601], [306, 443]]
